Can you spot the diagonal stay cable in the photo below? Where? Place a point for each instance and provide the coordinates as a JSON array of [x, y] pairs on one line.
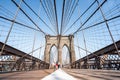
[[10, 13], [11, 27], [48, 7], [56, 16], [87, 51], [38, 16], [80, 16], [71, 12], [47, 12], [67, 7], [106, 23], [115, 17], [90, 17], [28, 17], [62, 16], [25, 56], [18, 23]]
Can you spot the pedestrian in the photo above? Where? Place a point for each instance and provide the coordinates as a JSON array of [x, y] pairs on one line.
[[58, 65]]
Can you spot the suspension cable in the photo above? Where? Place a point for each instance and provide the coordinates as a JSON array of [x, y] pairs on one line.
[[87, 51], [118, 16], [71, 12], [29, 18], [108, 28], [18, 23], [47, 12], [90, 16], [38, 16], [25, 56], [56, 16], [80, 17], [11, 28], [62, 16]]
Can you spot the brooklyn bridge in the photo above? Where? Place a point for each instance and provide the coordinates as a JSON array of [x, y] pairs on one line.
[[82, 36]]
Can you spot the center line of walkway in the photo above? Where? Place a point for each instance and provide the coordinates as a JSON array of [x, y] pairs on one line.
[[59, 75]]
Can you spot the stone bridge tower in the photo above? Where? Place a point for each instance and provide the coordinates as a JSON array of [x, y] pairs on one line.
[[59, 42]]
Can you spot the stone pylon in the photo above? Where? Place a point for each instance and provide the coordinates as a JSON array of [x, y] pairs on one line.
[[59, 41]]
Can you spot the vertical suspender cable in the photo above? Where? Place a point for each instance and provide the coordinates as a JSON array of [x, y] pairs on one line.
[[11, 27], [29, 17], [33, 45], [85, 47], [108, 28]]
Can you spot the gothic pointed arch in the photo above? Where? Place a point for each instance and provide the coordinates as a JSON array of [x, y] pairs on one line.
[[53, 54], [65, 55], [54, 41]]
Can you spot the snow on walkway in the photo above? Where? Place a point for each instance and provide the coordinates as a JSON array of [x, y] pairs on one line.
[[59, 75]]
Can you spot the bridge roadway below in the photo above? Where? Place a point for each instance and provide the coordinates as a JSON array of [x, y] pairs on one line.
[[108, 49], [9, 50], [79, 74]]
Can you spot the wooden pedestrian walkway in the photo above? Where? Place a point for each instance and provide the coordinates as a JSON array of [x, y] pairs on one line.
[[80, 74]]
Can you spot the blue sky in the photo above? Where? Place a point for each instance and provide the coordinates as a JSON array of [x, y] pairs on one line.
[[96, 37]]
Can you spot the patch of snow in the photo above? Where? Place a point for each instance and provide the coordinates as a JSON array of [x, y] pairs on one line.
[[59, 75]]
